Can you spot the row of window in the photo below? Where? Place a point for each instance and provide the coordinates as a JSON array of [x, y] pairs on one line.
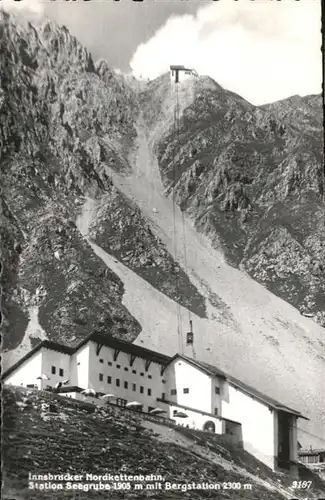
[[61, 371], [125, 368], [126, 384], [311, 459], [173, 392], [186, 391]]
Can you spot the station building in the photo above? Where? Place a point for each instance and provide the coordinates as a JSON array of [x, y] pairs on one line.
[[187, 391]]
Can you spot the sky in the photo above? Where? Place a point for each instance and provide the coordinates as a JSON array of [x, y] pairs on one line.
[[264, 50]]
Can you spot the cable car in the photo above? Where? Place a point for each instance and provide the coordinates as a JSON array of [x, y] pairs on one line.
[[190, 335]]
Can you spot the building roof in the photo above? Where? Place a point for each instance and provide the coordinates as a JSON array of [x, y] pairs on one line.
[[99, 338], [69, 388], [202, 412], [129, 347], [311, 452], [212, 370], [262, 397], [46, 344], [205, 367], [177, 66]]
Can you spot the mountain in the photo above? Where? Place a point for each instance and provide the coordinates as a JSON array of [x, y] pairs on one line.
[[252, 179], [91, 238]]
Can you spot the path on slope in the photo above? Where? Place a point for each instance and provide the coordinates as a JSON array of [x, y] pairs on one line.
[[282, 350]]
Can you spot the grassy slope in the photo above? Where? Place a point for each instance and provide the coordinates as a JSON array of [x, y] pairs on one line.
[[77, 440]]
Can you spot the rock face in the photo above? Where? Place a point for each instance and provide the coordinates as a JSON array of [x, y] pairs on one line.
[[252, 178], [50, 156], [65, 122]]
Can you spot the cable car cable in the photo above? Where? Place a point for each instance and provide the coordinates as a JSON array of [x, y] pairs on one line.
[[179, 313], [189, 335]]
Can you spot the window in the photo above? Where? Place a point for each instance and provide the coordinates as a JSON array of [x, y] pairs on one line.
[[163, 395], [173, 392], [126, 369], [217, 390], [125, 385], [118, 382], [101, 377], [142, 374], [109, 380], [186, 390], [101, 361], [61, 372], [109, 363], [149, 392], [134, 371], [118, 366], [53, 370], [134, 387], [141, 389], [149, 376], [216, 411]]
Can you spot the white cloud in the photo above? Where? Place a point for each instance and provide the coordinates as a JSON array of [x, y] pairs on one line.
[[30, 8], [262, 50]]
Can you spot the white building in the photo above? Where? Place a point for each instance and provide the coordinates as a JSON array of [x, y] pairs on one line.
[[191, 392], [179, 74]]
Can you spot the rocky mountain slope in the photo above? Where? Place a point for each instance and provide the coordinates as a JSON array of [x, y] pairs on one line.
[[63, 119], [91, 239], [252, 178], [85, 440]]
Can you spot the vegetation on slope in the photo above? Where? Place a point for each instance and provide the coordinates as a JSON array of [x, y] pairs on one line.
[[67, 436]]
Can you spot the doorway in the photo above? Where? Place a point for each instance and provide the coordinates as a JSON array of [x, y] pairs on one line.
[[284, 422], [209, 426]]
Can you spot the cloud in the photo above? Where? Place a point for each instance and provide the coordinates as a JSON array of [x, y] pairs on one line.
[[262, 50], [28, 8]]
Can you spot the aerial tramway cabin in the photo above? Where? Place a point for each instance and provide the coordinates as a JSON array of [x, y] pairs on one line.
[[188, 392]]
